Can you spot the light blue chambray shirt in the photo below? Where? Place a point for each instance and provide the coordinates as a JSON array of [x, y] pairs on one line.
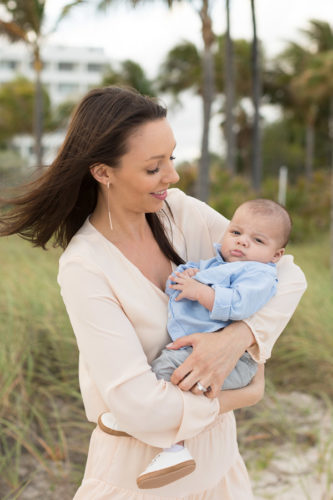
[[241, 289]]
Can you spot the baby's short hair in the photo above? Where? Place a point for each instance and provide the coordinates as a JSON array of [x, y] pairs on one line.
[[271, 208]]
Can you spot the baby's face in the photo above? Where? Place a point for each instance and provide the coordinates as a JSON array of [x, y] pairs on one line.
[[252, 236]]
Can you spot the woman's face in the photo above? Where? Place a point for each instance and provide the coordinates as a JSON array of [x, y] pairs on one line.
[[146, 171]]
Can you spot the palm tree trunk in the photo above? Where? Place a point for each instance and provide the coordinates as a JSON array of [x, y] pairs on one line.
[[256, 82], [38, 111], [229, 97], [309, 150], [203, 186]]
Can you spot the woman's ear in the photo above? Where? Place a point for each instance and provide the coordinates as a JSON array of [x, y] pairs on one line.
[[101, 173]]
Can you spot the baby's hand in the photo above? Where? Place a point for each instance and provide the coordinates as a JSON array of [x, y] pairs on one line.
[[187, 286], [190, 272]]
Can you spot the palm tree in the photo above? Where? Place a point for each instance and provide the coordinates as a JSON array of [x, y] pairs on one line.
[[282, 89], [208, 91], [256, 82], [130, 74], [208, 81], [206, 88], [229, 95], [316, 85], [181, 70], [242, 88], [25, 25], [300, 83], [23, 21]]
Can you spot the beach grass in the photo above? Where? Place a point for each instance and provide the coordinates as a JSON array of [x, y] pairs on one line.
[[302, 357], [39, 392]]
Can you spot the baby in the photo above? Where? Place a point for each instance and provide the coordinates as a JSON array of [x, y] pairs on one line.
[[208, 295]]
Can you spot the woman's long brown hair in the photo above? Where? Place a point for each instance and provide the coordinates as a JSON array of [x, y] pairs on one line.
[[56, 204]]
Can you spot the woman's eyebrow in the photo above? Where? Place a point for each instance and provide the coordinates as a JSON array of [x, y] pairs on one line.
[[156, 157]]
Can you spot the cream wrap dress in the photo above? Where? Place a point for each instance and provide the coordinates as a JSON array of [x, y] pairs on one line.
[[119, 320]]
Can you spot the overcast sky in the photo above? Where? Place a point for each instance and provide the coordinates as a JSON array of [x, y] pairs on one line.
[[146, 33]]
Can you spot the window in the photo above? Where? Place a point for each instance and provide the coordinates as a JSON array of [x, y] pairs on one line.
[[66, 66], [8, 64], [68, 88], [95, 67]]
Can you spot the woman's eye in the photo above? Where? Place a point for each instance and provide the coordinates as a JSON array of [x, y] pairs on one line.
[[172, 158], [154, 171]]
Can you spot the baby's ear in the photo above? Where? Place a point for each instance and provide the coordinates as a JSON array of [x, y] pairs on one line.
[[278, 254]]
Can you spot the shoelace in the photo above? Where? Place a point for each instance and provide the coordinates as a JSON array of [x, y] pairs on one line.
[[155, 459]]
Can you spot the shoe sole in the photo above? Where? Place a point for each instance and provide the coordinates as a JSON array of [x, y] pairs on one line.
[[162, 477], [108, 430]]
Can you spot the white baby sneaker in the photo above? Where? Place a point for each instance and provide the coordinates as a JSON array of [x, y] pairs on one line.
[[166, 467], [108, 424]]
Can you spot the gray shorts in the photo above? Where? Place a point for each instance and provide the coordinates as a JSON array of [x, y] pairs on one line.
[[169, 360]]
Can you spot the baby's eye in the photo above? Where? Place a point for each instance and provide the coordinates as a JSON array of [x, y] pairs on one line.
[[258, 240], [235, 232], [154, 171]]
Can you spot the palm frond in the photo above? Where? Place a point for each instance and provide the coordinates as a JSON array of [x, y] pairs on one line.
[[13, 31], [68, 8]]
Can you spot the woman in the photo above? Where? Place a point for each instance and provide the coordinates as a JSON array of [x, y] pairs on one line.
[[105, 200]]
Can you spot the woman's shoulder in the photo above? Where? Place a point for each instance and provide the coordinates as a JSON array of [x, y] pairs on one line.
[[183, 205], [86, 246], [179, 200], [186, 208]]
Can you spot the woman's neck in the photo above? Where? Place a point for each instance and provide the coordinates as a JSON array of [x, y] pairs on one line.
[[125, 226]]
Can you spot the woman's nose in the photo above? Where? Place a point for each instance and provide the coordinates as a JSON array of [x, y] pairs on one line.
[[171, 175]]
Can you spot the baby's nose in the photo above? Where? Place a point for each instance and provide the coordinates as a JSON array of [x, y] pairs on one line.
[[242, 240]]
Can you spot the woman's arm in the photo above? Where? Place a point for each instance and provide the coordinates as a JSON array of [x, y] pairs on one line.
[[214, 356], [268, 323], [247, 396]]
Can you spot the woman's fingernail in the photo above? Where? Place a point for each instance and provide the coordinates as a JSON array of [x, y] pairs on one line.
[[169, 345]]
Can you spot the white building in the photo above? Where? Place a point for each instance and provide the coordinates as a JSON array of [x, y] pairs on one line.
[[68, 73]]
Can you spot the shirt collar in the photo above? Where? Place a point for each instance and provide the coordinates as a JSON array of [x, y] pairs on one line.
[[218, 253]]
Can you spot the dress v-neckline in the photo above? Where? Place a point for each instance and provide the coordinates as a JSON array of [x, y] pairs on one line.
[[116, 249]]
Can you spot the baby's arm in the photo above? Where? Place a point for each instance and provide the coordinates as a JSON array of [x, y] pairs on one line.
[[192, 289]]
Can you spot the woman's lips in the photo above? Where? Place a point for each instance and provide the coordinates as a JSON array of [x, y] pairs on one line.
[[160, 195]]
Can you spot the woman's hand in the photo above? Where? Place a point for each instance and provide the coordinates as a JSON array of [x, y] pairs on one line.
[[247, 396], [214, 356]]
